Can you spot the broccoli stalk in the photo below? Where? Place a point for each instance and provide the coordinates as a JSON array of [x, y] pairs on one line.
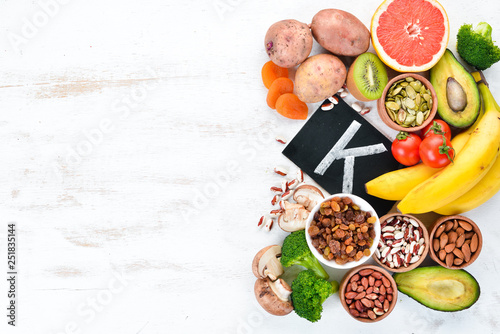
[[295, 251], [476, 46], [309, 293]]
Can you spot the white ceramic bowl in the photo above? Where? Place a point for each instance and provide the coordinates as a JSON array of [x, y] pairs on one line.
[[364, 206]]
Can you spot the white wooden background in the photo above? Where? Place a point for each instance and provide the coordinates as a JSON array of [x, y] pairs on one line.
[[137, 155]]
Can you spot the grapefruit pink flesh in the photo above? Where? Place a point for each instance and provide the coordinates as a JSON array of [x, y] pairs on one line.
[[410, 36]]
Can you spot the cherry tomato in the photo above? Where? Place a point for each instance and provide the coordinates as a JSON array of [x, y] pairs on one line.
[[437, 127], [405, 148], [436, 151]]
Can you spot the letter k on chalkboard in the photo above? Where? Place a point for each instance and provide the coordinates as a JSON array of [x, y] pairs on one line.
[[341, 151]]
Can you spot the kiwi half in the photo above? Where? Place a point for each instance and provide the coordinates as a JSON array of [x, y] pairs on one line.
[[367, 77]]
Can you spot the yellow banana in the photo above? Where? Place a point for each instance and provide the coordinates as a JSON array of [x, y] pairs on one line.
[[480, 193], [395, 185], [469, 167]]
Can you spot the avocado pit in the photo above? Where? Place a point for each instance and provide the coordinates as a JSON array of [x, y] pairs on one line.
[[455, 95]]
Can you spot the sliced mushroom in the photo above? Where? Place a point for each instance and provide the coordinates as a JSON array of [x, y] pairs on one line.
[[293, 218], [274, 297], [308, 196], [266, 263]]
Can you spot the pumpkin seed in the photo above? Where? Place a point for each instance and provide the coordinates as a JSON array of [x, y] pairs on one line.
[[392, 105], [409, 119], [419, 118], [410, 92], [416, 85], [401, 116], [409, 103]]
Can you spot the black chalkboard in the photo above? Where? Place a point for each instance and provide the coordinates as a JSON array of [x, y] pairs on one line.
[[344, 134]]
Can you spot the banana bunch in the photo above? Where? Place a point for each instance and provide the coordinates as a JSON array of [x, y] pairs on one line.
[[471, 180]]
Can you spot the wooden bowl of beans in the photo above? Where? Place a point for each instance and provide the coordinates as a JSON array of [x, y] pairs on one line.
[[343, 231], [404, 243]]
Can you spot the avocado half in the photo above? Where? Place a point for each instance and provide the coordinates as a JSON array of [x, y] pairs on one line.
[[439, 288], [458, 97]]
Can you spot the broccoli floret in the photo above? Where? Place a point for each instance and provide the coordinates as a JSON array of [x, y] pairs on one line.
[[308, 294], [476, 46], [296, 251]]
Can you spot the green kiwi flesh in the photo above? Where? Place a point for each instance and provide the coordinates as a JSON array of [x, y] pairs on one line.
[[367, 77]]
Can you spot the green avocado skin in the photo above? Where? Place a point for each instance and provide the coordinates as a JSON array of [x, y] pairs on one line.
[[449, 67], [417, 284]]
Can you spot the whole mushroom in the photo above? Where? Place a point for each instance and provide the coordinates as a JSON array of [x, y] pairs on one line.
[[274, 297], [266, 263]]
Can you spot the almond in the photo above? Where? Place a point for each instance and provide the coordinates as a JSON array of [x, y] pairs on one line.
[[439, 231], [460, 240], [458, 253], [452, 237], [449, 259], [442, 254], [449, 248], [435, 244], [474, 243], [465, 225], [448, 226], [443, 240], [466, 251]]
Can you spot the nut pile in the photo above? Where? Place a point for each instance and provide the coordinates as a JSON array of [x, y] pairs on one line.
[[402, 242], [368, 294], [408, 102], [340, 231], [455, 242]]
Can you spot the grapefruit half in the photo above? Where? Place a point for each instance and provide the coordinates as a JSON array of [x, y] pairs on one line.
[[410, 35]]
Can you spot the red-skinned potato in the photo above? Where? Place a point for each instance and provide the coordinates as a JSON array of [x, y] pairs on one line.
[[340, 32], [288, 43], [319, 77]]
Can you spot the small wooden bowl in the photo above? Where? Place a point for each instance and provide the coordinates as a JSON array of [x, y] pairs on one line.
[[444, 220], [345, 281], [423, 255], [387, 119]]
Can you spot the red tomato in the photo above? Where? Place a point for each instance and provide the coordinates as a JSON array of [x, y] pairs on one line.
[[437, 127], [436, 151], [405, 148]]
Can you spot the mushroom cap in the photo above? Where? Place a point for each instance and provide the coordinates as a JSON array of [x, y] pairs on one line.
[[294, 218], [308, 196], [273, 296], [266, 263]]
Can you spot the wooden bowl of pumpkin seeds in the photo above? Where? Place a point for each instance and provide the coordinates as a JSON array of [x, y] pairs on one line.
[[408, 103]]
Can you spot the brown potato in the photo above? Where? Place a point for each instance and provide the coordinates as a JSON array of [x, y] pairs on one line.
[[288, 43], [340, 32], [319, 77]]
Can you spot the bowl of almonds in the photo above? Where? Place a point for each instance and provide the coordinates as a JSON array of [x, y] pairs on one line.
[[408, 103], [404, 242], [368, 293], [456, 241]]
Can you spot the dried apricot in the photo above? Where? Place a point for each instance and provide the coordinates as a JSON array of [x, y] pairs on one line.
[[290, 106], [279, 87], [271, 71]]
